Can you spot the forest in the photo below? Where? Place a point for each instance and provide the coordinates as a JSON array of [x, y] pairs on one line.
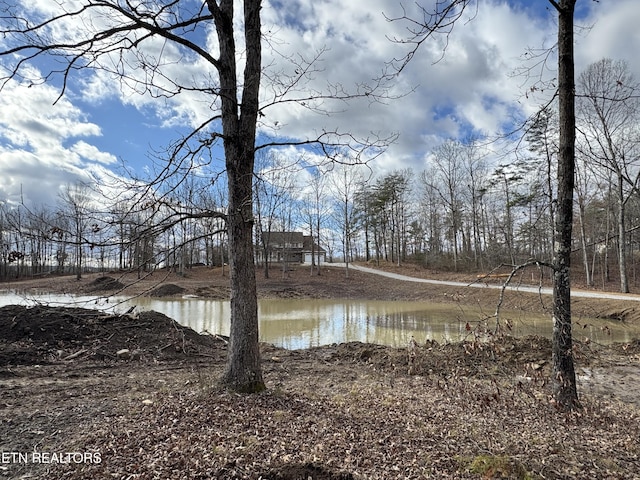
[[476, 205]]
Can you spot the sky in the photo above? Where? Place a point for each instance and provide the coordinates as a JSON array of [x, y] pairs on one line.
[[474, 87]]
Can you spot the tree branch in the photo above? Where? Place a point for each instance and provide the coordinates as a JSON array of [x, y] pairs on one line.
[[440, 20]]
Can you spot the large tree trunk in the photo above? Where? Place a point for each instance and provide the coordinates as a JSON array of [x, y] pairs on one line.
[[564, 377], [243, 371]]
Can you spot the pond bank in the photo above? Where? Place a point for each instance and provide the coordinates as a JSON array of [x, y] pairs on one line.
[[332, 283]]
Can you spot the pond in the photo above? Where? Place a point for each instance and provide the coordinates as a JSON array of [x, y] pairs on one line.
[[296, 324]]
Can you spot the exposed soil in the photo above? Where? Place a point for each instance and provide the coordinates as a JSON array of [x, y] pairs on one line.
[[91, 395], [166, 290]]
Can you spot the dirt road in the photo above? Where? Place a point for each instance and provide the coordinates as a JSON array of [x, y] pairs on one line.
[[480, 284]]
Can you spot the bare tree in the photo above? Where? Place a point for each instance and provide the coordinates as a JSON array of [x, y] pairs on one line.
[[433, 214], [273, 184], [586, 196], [344, 184], [314, 213], [440, 19], [137, 44], [564, 376], [116, 44], [542, 136], [609, 113], [239, 120], [437, 20], [475, 165], [74, 205], [4, 244], [213, 227], [447, 176], [14, 245]]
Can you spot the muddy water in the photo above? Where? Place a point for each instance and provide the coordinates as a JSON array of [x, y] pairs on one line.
[[305, 323]]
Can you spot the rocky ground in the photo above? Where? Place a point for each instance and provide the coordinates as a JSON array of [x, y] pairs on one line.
[[88, 395]]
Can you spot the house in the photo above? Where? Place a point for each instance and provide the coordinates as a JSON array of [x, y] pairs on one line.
[[290, 247], [318, 252]]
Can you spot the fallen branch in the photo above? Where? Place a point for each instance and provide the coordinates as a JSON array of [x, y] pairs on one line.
[[75, 355]]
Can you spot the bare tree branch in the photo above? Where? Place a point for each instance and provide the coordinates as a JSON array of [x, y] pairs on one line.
[[439, 20]]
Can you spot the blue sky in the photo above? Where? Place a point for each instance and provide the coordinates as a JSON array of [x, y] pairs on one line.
[[473, 88]]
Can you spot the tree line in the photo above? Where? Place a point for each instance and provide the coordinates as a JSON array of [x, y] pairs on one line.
[[472, 208]]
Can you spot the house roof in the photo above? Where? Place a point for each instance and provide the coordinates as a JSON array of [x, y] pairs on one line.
[[279, 238], [308, 241]]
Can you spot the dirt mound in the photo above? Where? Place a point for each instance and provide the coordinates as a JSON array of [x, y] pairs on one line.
[[214, 292], [166, 290], [105, 283], [48, 334]]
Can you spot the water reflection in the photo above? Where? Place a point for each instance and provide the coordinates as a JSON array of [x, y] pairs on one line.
[[306, 323]]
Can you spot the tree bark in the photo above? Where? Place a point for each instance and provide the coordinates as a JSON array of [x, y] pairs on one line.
[[583, 244], [564, 378], [622, 237], [243, 372]]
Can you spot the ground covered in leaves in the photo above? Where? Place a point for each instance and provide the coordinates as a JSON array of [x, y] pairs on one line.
[[75, 406]]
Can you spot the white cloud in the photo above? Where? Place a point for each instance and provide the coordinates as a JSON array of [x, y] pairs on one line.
[[90, 152], [472, 86], [610, 30], [34, 132], [31, 116]]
